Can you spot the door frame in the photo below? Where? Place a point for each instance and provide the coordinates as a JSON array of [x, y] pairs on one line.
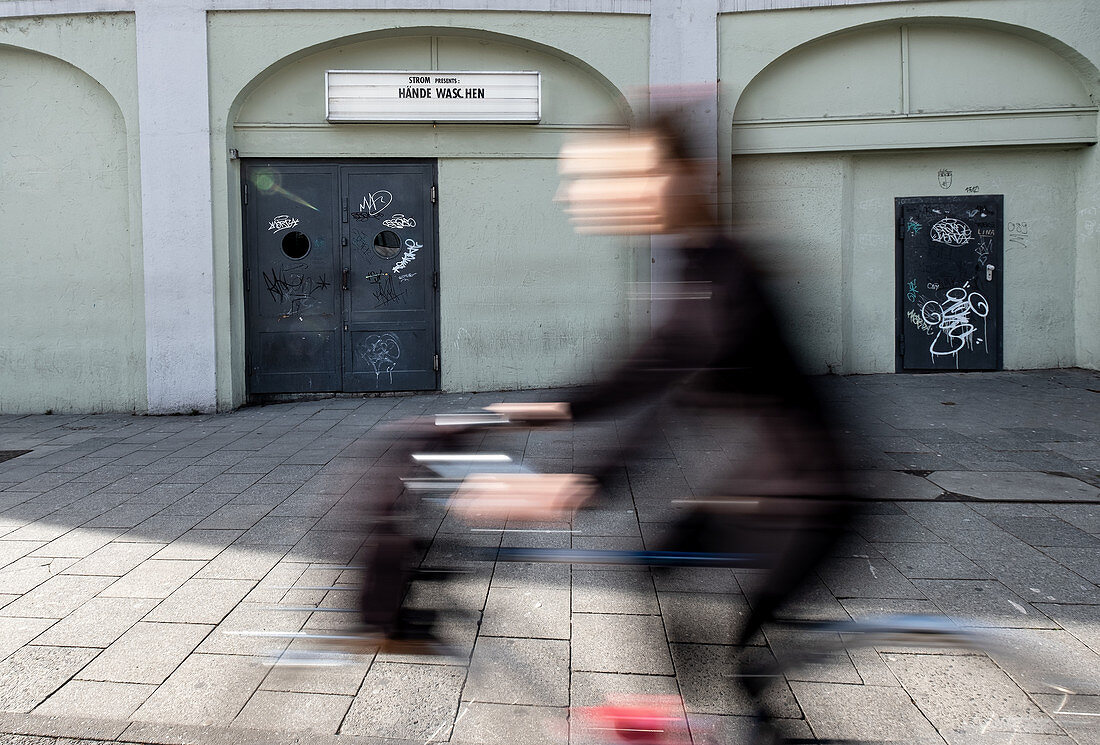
[[242, 186], [899, 282]]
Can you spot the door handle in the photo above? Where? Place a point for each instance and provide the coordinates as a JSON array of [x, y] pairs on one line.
[[989, 272], [344, 279]]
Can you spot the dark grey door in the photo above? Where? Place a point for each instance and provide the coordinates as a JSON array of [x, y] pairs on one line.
[[950, 282], [292, 278], [390, 306], [340, 276]]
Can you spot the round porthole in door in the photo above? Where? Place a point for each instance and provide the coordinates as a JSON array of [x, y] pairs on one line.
[[387, 244], [295, 245]]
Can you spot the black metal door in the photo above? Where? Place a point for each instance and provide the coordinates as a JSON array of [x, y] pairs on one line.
[[292, 275], [950, 288], [390, 306], [341, 277]]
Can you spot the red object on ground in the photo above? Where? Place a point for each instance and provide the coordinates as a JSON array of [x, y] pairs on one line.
[[652, 722]]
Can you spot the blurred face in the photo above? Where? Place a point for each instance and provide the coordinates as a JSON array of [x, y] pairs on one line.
[[621, 184]]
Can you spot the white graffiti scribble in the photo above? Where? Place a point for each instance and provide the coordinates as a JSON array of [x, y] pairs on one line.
[[406, 277], [919, 322], [381, 351], [411, 247], [399, 221], [283, 222], [984, 248], [952, 321], [376, 202], [951, 232], [1087, 221]]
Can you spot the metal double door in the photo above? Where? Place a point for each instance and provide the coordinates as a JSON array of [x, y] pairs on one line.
[[950, 284], [341, 276]]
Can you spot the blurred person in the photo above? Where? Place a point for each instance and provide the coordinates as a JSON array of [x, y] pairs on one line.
[[393, 546], [718, 358]]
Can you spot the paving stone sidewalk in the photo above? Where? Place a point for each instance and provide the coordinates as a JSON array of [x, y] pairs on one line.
[[133, 549]]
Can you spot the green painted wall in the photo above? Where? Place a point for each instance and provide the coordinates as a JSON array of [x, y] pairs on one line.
[[793, 209], [70, 186], [1039, 262], [1087, 279], [525, 302], [951, 67], [830, 215], [74, 326], [503, 242]]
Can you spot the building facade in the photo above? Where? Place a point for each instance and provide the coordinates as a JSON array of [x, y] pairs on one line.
[[187, 222]]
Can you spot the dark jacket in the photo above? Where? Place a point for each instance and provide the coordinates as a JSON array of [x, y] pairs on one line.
[[721, 351]]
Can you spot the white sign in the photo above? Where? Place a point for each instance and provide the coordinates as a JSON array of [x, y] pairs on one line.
[[432, 96]]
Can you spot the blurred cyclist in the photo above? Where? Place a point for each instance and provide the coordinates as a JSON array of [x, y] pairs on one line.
[[718, 357]]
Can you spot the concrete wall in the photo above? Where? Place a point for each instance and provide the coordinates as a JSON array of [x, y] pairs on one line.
[[794, 208], [524, 301], [1039, 264], [882, 89], [73, 335], [124, 272], [1087, 277]]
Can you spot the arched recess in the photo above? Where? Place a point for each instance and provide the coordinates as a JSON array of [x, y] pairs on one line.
[[842, 125], [73, 290], [291, 91], [503, 243], [935, 82]]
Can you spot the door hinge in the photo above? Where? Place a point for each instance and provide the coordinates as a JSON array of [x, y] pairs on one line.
[[344, 211], [435, 363], [244, 192], [247, 280], [434, 194], [343, 240], [901, 344], [345, 327], [435, 280]]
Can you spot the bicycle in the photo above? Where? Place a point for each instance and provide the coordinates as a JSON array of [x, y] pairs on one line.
[[425, 503]]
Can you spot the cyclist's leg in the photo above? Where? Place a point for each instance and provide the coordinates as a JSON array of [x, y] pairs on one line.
[[794, 544], [394, 546]]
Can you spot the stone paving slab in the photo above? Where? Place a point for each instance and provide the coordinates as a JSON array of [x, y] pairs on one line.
[[519, 671], [132, 549], [962, 695], [293, 711], [30, 675], [535, 613], [703, 674], [97, 623], [865, 713], [401, 700], [1027, 486], [101, 699], [147, 653], [204, 689]]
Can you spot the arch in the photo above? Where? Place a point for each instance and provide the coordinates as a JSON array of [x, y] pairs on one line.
[[76, 340], [905, 66], [919, 83], [99, 84], [403, 35]]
